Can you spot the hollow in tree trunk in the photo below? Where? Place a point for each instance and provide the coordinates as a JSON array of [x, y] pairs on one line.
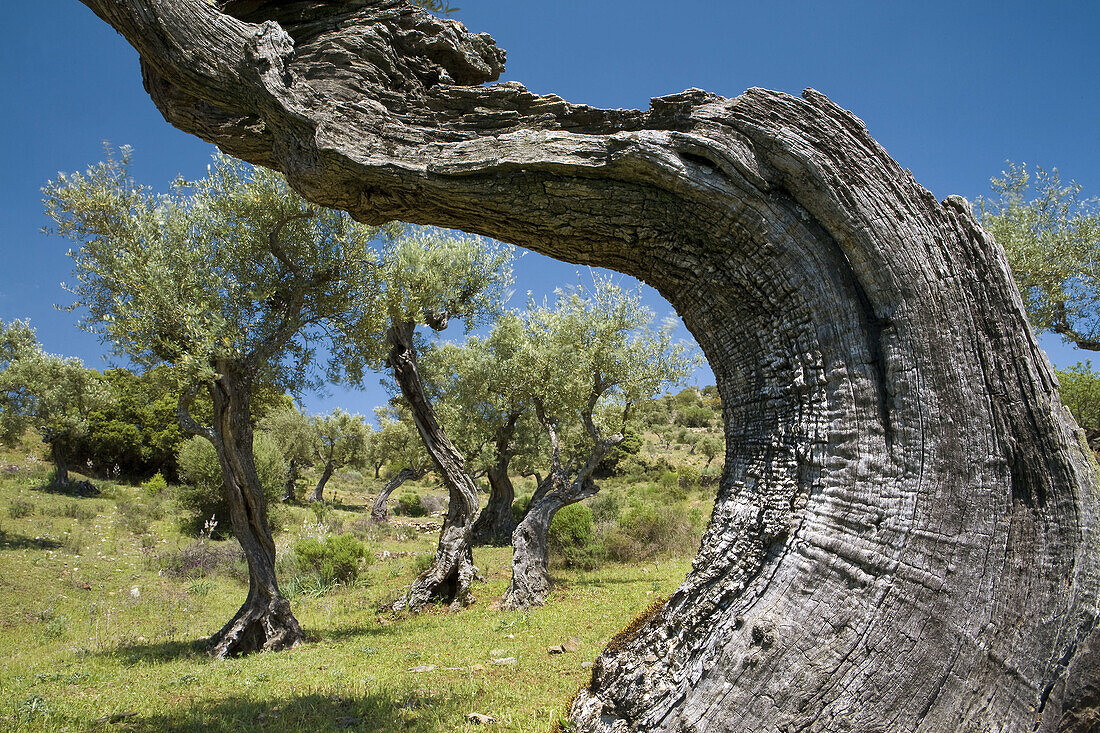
[[318, 491], [904, 535], [452, 572], [378, 510], [265, 621]]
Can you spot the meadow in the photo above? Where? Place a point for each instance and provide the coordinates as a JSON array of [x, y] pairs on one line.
[[105, 603]]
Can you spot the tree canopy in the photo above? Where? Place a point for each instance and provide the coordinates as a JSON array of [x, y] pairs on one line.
[[1052, 237]]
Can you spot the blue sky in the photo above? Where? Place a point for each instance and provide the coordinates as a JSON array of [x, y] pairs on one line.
[[950, 89]]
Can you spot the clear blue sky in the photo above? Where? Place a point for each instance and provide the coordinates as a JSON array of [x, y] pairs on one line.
[[950, 89]]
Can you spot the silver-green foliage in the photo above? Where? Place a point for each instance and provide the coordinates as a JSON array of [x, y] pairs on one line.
[[1052, 237], [232, 267]]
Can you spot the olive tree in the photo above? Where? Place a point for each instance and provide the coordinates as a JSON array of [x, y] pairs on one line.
[[339, 440], [430, 278], [589, 358], [51, 393], [1052, 237], [397, 442], [481, 392], [228, 281], [904, 534], [293, 433]]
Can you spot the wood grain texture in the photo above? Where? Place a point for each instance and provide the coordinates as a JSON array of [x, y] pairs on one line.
[[904, 535]]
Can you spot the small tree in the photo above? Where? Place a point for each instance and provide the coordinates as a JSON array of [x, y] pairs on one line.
[[339, 440], [47, 392], [592, 356], [397, 443], [294, 435], [430, 277], [229, 282], [1053, 245], [479, 390]]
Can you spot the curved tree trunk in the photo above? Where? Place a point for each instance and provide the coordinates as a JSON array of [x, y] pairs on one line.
[[452, 572], [530, 584], [378, 510], [265, 621], [495, 523], [318, 490], [904, 534]]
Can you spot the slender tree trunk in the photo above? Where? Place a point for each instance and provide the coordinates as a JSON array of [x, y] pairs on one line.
[[495, 523], [379, 511], [291, 480], [318, 490], [452, 572], [904, 536], [265, 621]]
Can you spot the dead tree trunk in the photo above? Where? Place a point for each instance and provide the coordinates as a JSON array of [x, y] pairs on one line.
[[265, 621], [452, 572], [904, 534], [378, 510]]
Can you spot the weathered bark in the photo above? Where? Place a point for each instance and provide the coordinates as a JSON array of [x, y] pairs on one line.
[[318, 491], [904, 533], [378, 511], [495, 523], [530, 584], [452, 572], [265, 621]]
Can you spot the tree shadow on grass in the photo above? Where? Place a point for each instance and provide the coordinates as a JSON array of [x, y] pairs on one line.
[[22, 542], [416, 709], [131, 654]]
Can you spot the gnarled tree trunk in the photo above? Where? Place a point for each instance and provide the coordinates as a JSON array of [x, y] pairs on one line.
[[495, 522], [452, 572], [318, 491], [265, 621], [378, 511], [291, 480], [904, 534]]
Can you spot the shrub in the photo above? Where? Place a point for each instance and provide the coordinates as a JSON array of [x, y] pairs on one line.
[[156, 484], [644, 531], [688, 478], [203, 495], [695, 416], [520, 506], [572, 536], [200, 559], [20, 509], [606, 507], [409, 505], [136, 518], [334, 559], [572, 526]]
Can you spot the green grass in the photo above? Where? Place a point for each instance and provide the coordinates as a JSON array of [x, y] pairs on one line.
[[80, 649]]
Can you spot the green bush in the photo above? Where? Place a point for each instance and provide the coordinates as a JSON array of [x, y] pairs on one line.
[[606, 507], [336, 559], [409, 505], [572, 537], [687, 478], [520, 506], [1080, 391], [572, 526], [203, 494], [156, 484], [694, 417], [645, 531], [20, 509]]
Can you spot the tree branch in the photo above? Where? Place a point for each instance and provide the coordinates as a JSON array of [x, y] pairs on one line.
[[188, 423]]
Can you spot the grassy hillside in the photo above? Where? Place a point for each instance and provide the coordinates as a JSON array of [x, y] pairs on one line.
[[104, 605]]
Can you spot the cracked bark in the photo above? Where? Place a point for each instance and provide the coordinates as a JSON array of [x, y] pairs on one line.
[[378, 511], [452, 572], [903, 535], [265, 621]]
